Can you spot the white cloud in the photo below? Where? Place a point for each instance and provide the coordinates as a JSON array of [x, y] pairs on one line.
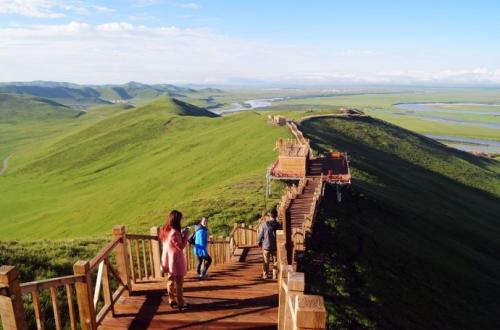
[[115, 27], [116, 52], [49, 8], [190, 5], [31, 8]]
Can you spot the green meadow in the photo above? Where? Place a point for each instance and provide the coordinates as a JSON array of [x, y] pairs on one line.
[[134, 165]]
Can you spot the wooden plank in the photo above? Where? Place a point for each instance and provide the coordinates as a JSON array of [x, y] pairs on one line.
[[71, 307], [138, 259], [55, 308], [146, 273], [37, 307]]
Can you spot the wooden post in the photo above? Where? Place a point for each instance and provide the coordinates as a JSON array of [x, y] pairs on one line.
[[12, 312], [122, 258], [310, 312], [227, 250], [211, 250], [155, 246], [220, 246], [295, 288], [244, 231], [283, 275], [84, 296], [287, 230], [106, 289]]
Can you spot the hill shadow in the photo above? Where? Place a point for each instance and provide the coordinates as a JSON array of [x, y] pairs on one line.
[[408, 247]]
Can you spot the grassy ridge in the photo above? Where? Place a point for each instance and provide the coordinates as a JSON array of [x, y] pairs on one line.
[[16, 108], [135, 165], [415, 243]]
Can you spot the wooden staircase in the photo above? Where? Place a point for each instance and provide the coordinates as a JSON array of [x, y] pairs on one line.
[[300, 207]]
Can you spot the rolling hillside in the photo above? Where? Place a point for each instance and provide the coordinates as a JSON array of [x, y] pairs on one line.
[[16, 108], [415, 243], [74, 94], [59, 93], [133, 166]]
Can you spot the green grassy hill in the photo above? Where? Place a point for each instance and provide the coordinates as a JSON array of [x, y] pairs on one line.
[[68, 93], [59, 93], [415, 243], [134, 166], [15, 108]]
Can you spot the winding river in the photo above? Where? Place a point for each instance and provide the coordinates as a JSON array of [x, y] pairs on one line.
[[431, 111], [466, 144], [436, 107]]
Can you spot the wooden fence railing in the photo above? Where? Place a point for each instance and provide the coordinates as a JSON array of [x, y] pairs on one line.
[[296, 310], [283, 213], [244, 235], [297, 133], [89, 295]]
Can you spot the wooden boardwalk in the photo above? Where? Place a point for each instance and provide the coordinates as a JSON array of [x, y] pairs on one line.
[[234, 297], [301, 206]]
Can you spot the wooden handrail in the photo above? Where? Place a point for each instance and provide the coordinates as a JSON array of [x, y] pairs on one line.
[[141, 236], [29, 287], [104, 253]]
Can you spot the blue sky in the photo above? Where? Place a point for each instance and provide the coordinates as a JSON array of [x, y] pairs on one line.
[[224, 42]]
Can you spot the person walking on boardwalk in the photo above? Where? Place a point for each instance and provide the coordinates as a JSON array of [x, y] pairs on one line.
[[172, 260], [200, 248], [266, 239]]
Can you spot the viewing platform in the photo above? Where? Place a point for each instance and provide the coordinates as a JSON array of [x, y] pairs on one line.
[[233, 297]]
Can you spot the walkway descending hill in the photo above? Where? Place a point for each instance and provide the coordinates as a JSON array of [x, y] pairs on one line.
[[301, 206], [234, 297]]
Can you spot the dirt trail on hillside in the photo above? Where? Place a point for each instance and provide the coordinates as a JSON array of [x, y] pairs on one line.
[[5, 164]]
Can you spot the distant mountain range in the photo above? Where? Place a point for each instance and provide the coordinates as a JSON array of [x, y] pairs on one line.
[[69, 93]]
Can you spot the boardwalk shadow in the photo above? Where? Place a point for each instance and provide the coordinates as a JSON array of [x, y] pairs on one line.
[[150, 309]]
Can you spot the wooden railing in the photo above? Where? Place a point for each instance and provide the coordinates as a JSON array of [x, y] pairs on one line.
[[296, 310], [218, 248], [318, 194], [297, 133], [125, 263], [283, 213], [108, 269], [244, 235]]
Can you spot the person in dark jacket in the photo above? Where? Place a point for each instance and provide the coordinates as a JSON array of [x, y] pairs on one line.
[[201, 248], [266, 239]]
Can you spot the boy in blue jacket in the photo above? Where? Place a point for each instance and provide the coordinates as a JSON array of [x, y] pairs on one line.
[[201, 247]]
